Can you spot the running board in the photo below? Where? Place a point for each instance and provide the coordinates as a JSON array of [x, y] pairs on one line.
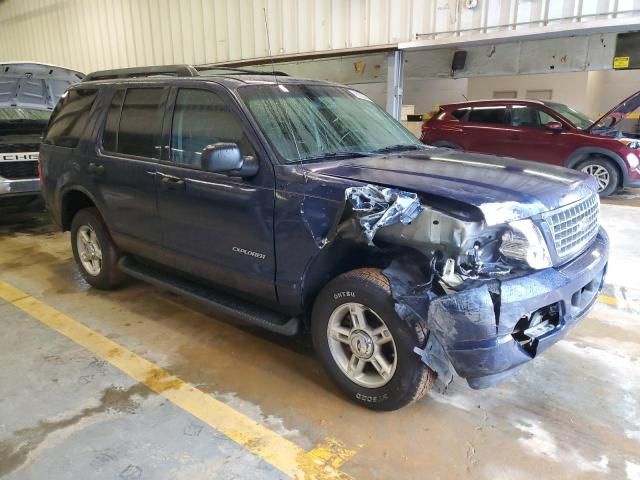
[[222, 303]]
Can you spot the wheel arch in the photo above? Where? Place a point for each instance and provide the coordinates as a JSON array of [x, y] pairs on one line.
[[585, 152], [342, 256], [72, 201]]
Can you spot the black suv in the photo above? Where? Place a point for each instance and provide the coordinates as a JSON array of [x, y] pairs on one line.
[[301, 205]]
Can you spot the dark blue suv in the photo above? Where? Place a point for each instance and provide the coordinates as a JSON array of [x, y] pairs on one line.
[[301, 205]]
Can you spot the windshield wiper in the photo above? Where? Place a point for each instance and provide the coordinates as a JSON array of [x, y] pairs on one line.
[[329, 155], [401, 147]]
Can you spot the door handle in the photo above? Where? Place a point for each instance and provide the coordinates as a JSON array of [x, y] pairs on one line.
[[173, 183], [96, 169]]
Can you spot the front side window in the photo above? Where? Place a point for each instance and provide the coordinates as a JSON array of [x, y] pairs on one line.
[[524, 116], [70, 117], [202, 118], [317, 122], [140, 124], [493, 115]]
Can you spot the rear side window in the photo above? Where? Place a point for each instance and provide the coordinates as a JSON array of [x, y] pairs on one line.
[[138, 129], [70, 117], [494, 115]]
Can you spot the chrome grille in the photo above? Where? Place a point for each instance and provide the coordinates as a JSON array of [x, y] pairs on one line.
[[574, 226]]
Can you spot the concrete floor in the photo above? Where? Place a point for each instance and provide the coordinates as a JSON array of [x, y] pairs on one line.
[[573, 413]]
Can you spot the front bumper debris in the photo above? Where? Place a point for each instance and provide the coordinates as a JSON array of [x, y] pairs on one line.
[[488, 331]]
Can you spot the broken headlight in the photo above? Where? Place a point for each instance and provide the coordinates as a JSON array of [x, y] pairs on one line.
[[524, 242]]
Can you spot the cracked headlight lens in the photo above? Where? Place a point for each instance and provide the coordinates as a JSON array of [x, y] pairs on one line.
[[524, 242]]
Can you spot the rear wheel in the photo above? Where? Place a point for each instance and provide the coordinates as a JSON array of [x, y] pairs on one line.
[[93, 250], [364, 346], [605, 173]]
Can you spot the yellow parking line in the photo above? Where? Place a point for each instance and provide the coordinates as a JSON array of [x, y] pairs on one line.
[[623, 302], [608, 300], [286, 456]]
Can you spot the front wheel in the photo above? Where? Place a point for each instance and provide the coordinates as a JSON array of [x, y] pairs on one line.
[[605, 173], [363, 344]]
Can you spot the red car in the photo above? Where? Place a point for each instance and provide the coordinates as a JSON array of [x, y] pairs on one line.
[[545, 131]]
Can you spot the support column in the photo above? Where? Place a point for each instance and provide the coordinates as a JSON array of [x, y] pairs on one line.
[[395, 75]]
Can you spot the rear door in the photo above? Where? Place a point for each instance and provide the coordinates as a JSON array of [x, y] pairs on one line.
[[123, 171], [486, 129], [217, 226]]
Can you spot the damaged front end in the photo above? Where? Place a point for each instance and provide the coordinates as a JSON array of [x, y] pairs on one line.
[[489, 295]]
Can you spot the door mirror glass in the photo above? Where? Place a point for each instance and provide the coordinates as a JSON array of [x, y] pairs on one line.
[[227, 158], [221, 157], [554, 126]]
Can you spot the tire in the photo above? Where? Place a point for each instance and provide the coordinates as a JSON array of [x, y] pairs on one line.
[[605, 172], [107, 276], [366, 293]]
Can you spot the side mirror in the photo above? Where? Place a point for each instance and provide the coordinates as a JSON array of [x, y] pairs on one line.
[[554, 126], [227, 158]]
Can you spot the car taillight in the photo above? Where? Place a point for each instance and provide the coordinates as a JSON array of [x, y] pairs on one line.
[[40, 172]]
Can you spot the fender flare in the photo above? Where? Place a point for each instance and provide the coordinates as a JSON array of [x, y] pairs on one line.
[[75, 188], [581, 153]]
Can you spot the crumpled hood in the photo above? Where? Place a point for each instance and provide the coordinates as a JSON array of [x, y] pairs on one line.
[[34, 85], [503, 189]]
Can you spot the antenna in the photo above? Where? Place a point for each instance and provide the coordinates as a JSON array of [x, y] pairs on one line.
[[275, 77], [266, 27]]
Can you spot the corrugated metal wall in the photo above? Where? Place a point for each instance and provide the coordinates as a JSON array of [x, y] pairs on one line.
[[95, 34]]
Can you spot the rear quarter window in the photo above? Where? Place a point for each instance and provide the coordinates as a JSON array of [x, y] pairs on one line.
[[461, 113], [69, 118]]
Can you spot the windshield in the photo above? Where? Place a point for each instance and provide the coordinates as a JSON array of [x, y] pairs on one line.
[[580, 120], [317, 122], [24, 114]]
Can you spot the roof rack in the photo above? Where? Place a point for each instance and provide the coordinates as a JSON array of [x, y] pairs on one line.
[[238, 71], [137, 72], [173, 71]]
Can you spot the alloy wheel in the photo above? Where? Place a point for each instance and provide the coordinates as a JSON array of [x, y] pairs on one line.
[[89, 250], [599, 173], [362, 345]]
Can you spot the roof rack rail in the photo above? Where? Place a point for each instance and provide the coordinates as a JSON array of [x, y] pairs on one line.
[[238, 71], [138, 72]]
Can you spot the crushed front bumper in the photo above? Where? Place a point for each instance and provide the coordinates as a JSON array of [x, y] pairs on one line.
[[482, 329]]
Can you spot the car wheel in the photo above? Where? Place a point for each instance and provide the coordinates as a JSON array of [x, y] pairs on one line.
[[93, 250], [363, 344], [605, 173]]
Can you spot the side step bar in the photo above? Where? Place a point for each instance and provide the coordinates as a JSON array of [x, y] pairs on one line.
[[222, 303]]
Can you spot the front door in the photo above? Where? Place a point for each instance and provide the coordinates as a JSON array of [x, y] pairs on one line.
[[529, 139], [218, 227]]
